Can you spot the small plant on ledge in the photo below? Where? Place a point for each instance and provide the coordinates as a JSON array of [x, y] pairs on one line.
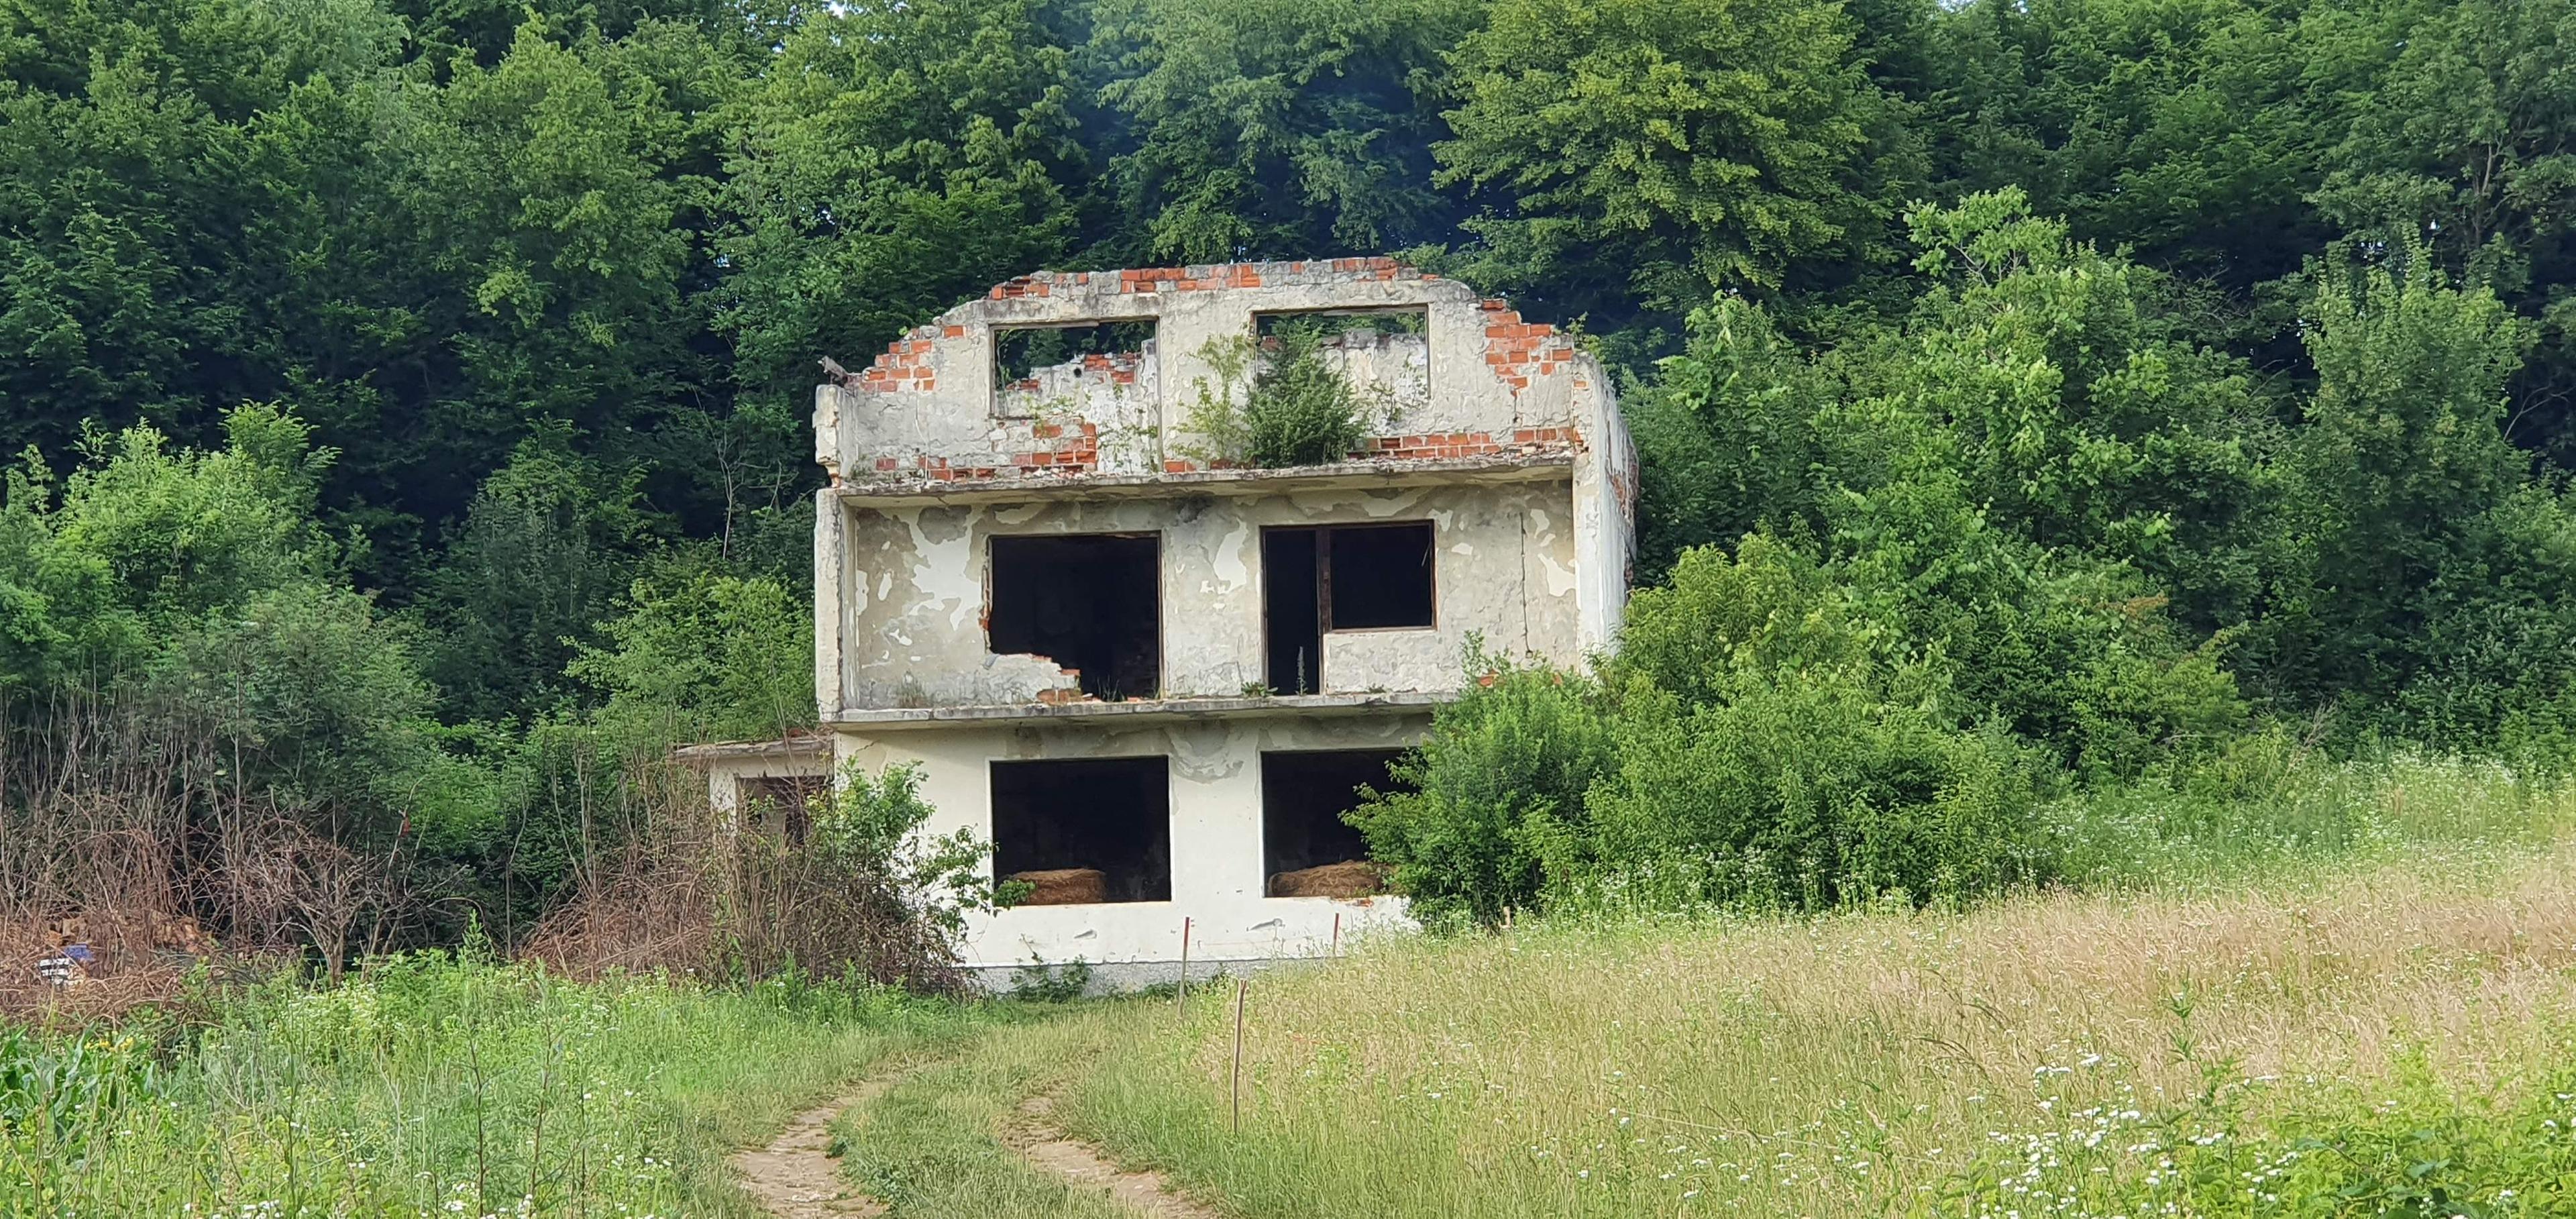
[[1297, 409]]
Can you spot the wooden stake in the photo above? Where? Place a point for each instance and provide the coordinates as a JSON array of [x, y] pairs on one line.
[[1181, 997], [1337, 933], [1235, 1089]]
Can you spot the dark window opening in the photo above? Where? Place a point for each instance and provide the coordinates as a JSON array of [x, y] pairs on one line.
[[1021, 353], [776, 805], [1089, 602], [1339, 578], [1292, 610], [1078, 832], [1307, 849], [1377, 576]]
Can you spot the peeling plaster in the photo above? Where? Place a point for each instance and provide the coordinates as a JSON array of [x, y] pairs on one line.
[[946, 573]]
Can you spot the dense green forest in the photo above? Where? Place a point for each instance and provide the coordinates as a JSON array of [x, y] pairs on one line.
[[2035, 395]]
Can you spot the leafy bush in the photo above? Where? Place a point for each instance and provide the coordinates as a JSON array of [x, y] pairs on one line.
[[1302, 411], [1497, 790], [1296, 408], [866, 829], [1778, 751], [1806, 791], [700, 653]]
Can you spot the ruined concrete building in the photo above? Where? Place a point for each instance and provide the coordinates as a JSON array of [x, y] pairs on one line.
[[1152, 675]]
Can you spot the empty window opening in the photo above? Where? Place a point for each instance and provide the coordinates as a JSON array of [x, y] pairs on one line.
[[1307, 849], [1339, 578], [1384, 353], [1024, 357], [1292, 610], [1082, 832], [1376, 576], [1351, 328], [776, 806], [1089, 602]]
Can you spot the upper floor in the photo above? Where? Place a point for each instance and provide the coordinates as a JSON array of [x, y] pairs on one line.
[[1027, 518], [1093, 375]]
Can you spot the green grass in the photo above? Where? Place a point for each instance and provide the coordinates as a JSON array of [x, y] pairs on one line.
[[2354, 994], [932, 1146], [2313, 1009], [433, 1087]]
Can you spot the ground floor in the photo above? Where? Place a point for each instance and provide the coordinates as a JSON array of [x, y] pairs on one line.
[[1128, 839]]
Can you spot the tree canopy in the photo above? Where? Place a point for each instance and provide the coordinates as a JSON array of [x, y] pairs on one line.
[[416, 391]]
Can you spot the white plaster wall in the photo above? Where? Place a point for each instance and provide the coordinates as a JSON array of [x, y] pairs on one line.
[[1391, 370], [1217, 876], [912, 594], [1605, 522]]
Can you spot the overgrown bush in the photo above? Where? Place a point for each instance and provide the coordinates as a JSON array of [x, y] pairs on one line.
[[1805, 791], [1496, 792], [863, 894], [1780, 731], [1779, 750], [703, 653], [1295, 408]]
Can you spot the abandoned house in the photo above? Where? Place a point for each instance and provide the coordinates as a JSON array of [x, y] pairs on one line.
[[1154, 675]]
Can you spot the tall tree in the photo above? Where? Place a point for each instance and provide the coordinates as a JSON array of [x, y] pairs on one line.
[[1647, 152], [2469, 145], [893, 160], [1264, 128]]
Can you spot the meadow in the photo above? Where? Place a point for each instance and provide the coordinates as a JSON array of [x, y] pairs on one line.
[[2359, 998], [2358, 1003], [432, 1086]]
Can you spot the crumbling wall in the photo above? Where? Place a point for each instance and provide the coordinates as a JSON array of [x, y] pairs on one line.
[[1392, 371], [1479, 382]]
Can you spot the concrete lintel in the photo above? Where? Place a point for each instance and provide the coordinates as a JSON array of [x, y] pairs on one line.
[[1144, 710], [1345, 475], [800, 745]]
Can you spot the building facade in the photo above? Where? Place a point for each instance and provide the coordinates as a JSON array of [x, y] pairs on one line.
[[1151, 675]]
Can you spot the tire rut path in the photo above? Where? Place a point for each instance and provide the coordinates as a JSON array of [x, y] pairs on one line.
[[795, 1176], [1033, 1134]]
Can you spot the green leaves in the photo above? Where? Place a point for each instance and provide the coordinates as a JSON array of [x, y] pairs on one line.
[[891, 161], [1713, 144], [1266, 129], [698, 654]]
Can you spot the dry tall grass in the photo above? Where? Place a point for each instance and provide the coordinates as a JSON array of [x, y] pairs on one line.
[[691, 894], [1846, 1065]]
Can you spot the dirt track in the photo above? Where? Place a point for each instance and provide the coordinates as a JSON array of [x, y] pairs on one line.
[[795, 1177]]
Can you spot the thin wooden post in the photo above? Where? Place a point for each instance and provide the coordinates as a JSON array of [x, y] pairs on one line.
[[1235, 1088], [1181, 997], [1337, 933]]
